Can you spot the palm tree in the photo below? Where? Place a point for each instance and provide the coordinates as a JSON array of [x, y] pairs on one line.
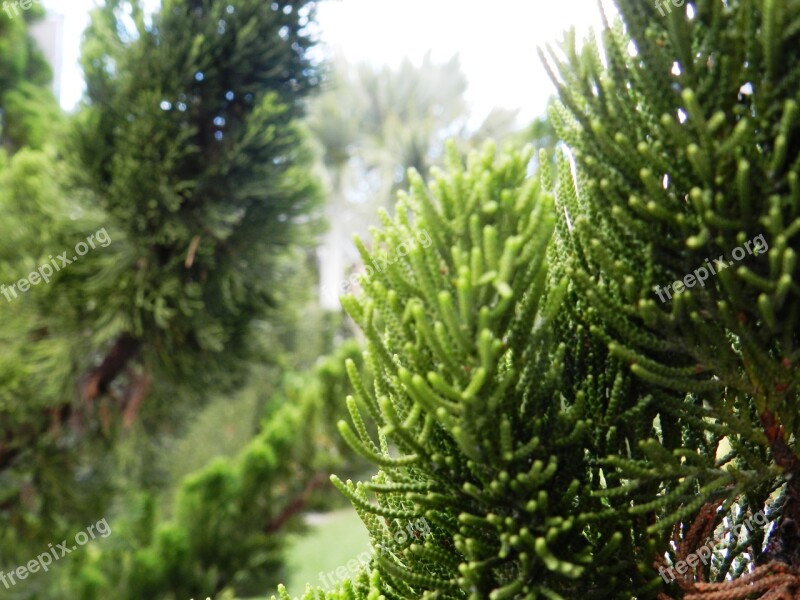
[[371, 125]]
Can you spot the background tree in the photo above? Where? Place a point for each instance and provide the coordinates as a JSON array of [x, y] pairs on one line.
[[38, 361], [30, 113], [371, 125], [210, 91], [187, 152], [225, 532]]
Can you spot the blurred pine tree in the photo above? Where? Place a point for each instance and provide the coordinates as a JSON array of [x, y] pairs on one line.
[[187, 150], [227, 529], [188, 143], [29, 113]]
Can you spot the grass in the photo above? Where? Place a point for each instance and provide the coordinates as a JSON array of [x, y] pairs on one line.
[[339, 538]]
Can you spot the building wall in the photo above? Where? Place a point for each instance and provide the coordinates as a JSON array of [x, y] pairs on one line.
[[49, 34]]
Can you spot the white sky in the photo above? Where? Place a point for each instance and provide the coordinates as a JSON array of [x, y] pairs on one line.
[[496, 40]]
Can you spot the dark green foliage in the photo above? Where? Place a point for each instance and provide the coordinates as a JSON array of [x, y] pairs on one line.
[[203, 187], [189, 145], [698, 156], [657, 197]]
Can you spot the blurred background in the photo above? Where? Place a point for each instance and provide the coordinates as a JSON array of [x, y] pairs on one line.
[[184, 382]]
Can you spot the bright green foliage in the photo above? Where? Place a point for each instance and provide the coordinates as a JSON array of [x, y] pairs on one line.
[[230, 518], [449, 339], [39, 335], [29, 113], [362, 587], [484, 414], [38, 332]]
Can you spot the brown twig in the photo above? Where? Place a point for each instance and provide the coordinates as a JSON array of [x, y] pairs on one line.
[[297, 504], [772, 581], [97, 380], [784, 540], [134, 396]]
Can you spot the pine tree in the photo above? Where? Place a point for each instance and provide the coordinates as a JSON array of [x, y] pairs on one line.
[[685, 150], [187, 153], [566, 426], [188, 142]]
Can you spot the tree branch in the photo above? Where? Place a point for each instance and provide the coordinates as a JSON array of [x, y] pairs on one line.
[[784, 541], [297, 504], [97, 380]]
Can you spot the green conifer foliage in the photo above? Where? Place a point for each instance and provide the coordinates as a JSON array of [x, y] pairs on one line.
[[683, 145], [188, 152], [365, 586], [697, 157], [566, 453], [484, 414], [189, 142], [449, 339], [227, 531], [39, 335]]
